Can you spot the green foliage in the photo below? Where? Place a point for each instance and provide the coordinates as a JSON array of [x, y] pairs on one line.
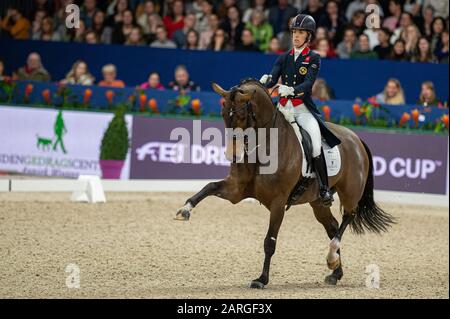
[[115, 142]]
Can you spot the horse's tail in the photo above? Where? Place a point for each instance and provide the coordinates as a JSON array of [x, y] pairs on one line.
[[368, 215]]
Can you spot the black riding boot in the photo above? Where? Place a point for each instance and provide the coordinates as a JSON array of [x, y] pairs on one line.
[[320, 168]]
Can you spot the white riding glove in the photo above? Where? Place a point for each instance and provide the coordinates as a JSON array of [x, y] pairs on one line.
[[284, 90], [265, 78]]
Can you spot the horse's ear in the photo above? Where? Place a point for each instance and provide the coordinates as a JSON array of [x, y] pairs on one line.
[[219, 90]]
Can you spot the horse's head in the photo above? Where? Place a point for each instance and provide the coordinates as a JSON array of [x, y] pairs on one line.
[[246, 105]]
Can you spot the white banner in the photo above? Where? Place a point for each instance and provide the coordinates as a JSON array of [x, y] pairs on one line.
[[46, 142]]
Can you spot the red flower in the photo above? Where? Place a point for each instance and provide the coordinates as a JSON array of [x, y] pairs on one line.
[[153, 105], [356, 110], [47, 96], [444, 120], [196, 106], [405, 118], [109, 96], [87, 96], [415, 115], [142, 101], [326, 111]]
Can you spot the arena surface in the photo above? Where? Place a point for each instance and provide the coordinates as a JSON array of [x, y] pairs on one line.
[[131, 247]]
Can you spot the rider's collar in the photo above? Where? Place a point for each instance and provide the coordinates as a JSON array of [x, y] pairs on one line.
[[304, 52]]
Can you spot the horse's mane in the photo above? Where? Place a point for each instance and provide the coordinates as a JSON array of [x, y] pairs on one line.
[[254, 81]]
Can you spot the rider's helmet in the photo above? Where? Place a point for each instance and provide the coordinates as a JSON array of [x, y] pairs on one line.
[[304, 22]]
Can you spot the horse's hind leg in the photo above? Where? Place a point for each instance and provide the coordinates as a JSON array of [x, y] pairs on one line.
[[331, 225], [225, 189]]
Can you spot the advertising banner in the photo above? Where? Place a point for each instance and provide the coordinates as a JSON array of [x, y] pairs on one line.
[[52, 142], [402, 162]]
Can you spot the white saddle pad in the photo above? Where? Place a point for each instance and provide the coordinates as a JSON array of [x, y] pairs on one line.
[[332, 155]]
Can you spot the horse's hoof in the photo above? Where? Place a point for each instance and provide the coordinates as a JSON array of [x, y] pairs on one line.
[[255, 284], [182, 215], [334, 264], [331, 280], [184, 212]]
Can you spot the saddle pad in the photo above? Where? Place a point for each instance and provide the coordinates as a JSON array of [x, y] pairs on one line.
[[332, 155]]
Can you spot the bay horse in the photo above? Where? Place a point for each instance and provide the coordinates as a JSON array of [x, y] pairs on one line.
[[250, 105]]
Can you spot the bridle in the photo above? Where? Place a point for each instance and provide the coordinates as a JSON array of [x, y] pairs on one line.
[[248, 106]]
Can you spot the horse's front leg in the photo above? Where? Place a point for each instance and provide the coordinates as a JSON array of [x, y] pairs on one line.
[[276, 218], [225, 189]]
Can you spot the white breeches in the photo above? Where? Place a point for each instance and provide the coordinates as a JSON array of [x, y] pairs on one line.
[[306, 120]]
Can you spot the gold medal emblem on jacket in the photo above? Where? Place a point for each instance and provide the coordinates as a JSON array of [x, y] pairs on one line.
[[302, 70]]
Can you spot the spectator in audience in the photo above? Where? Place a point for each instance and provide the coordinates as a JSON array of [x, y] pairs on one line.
[[348, 45], [280, 14], [428, 96], [61, 14], [222, 11], [175, 19], [45, 5], [15, 24], [194, 7], [364, 52], [412, 6], [324, 49], [182, 83], [440, 7], [274, 47], [33, 70], [37, 23], [395, 11], [192, 40], [123, 29], [321, 90], [398, 52], [411, 37], [109, 72], [104, 32], [90, 37], [334, 22], [79, 34], [161, 39], [154, 21], [219, 41], [79, 74], [427, 22], [438, 27], [180, 36], [206, 35], [384, 48], [441, 51], [247, 42], [285, 36], [87, 12], [353, 6], [46, 33], [314, 9], [203, 17], [261, 30], [135, 37], [392, 93], [116, 16], [423, 52], [256, 5], [3, 77], [143, 19], [153, 82], [233, 26], [406, 21], [358, 22]]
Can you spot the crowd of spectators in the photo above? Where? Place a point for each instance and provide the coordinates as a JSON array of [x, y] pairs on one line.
[[407, 30]]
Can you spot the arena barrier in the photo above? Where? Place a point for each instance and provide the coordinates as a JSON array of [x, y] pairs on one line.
[[403, 162], [348, 78]]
